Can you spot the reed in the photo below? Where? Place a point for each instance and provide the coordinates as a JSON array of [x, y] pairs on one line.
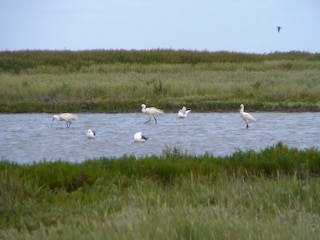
[[119, 81], [171, 196]]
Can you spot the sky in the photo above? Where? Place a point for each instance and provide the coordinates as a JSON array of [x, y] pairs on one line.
[[248, 26]]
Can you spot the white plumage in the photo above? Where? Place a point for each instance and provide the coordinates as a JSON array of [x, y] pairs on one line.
[[91, 134], [138, 137], [67, 117], [183, 112], [151, 111], [246, 116]]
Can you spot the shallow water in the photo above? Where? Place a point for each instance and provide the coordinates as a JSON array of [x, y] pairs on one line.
[[27, 138]]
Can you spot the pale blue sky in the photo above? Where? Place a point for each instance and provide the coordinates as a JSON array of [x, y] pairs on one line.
[[231, 25]]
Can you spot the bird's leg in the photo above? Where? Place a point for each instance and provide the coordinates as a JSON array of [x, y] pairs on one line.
[[155, 119], [148, 120], [247, 125], [68, 124]]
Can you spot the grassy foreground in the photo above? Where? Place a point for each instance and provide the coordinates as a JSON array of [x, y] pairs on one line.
[[119, 81], [273, 194]]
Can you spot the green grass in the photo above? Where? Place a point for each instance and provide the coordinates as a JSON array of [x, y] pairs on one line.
[[272, 194], [119, 81]]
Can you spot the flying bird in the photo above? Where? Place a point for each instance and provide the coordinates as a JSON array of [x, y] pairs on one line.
[[67, 117], [279, 28], [151, 111], [138, 137], [246, 116], [183, 112], [91, 134]]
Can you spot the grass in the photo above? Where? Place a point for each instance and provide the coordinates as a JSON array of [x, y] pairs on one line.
[[272, 194], [119, 81]]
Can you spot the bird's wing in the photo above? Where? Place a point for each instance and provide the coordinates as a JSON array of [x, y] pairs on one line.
[[249, 117], [69, 116], [155, 110]]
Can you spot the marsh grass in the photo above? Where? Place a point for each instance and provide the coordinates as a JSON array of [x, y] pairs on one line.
[[272, 194], [119, 81]]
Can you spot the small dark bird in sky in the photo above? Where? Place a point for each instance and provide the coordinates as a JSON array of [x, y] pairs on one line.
[[279, 28]]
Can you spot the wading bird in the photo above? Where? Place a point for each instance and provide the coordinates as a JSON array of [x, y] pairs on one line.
[[151, 111], [246, 116], [91, 134], [183, 112], [138, 137], [67, 117]]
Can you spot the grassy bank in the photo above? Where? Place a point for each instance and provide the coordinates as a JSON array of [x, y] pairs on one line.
[[273, 194], [119, 81]]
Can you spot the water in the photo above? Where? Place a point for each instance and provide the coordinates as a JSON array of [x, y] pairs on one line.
[[28, 138]]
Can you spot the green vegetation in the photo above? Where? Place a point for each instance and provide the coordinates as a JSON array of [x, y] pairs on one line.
[[273, 194], [119, 81]]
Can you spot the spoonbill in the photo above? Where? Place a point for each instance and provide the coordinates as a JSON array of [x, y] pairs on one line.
[[246, 116], [183, 112], [91, 134], [151, 111], [138, 137], [67, 117]]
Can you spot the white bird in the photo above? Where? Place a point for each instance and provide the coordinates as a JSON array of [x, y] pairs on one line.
[[183, 112], [67, 117], [138, 137], [151, 111], [91, 134], [246, 116]]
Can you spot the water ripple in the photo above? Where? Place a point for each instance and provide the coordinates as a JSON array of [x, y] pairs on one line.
[[28, 138]]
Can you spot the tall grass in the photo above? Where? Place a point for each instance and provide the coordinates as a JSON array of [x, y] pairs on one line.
[[17, 61], [272, 194], [211, 81]]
